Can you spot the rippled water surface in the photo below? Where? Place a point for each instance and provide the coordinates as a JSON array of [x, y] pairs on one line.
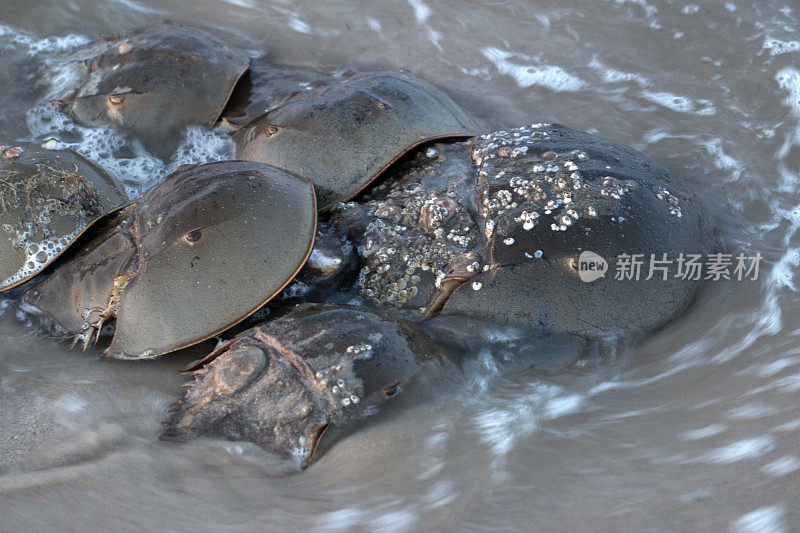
[[696, 428]]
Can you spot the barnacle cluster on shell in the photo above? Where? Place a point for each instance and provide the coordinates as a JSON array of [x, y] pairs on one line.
[[335, 373], [418, 226], [520, 175]]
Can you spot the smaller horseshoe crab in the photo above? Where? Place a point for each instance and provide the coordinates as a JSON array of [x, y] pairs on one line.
[[49, 196], [343, 136], [195, 255], [284, 384], [544, 195], [154, 81]]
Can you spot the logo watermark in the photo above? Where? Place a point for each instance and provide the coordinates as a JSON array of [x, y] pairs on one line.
[[591, 266], [691, 267]]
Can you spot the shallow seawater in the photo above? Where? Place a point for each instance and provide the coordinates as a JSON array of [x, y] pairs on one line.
[[696, 428]]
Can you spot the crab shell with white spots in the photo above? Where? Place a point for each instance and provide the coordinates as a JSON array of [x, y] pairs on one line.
[[494, 228], [310, 373], [49, 196]]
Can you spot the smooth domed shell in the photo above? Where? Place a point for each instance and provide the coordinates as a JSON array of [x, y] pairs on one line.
[[343, 136], [155, 81], [217, 241], [48, 198]]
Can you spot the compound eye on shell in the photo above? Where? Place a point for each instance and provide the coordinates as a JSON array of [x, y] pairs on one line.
[[193, 236], [116, 99]]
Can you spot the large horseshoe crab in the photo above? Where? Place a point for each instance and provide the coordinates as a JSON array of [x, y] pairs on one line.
[[198, 253], [493, 228], [345, 135], [154, 81], [49, 196]]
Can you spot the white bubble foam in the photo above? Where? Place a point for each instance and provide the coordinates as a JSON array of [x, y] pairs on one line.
[[682, 104], [503, 421], [37, 255], [750, 411], [242, 3], [780, 467], [788, 80], [722, 160], [54, 74], [782, 274], [763, 520], [704, 432], [372, 515], [299, 26], [562, 405], [12, 38], [421, 11], [611, 75], [789, 384], [552, 77], [123, 158], [31, 316], [777, 47], [740, 450], [648, 9], [770, 369]]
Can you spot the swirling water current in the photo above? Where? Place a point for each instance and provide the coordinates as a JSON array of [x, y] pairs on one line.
[[697, 428]]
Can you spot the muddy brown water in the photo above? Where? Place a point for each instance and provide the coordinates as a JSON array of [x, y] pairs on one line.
[[696, 429]]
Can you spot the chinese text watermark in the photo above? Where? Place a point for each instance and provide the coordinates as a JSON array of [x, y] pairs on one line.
[[684, 266]]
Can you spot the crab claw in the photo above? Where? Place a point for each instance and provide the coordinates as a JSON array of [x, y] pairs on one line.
[[225, 124], [65, 99], [84, 336], [98, 327]]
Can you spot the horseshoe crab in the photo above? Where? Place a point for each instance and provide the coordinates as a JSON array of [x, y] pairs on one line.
[[284, 384], [343, 136], [49, 196], [154, 81], [195, 255], [493, 228]]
